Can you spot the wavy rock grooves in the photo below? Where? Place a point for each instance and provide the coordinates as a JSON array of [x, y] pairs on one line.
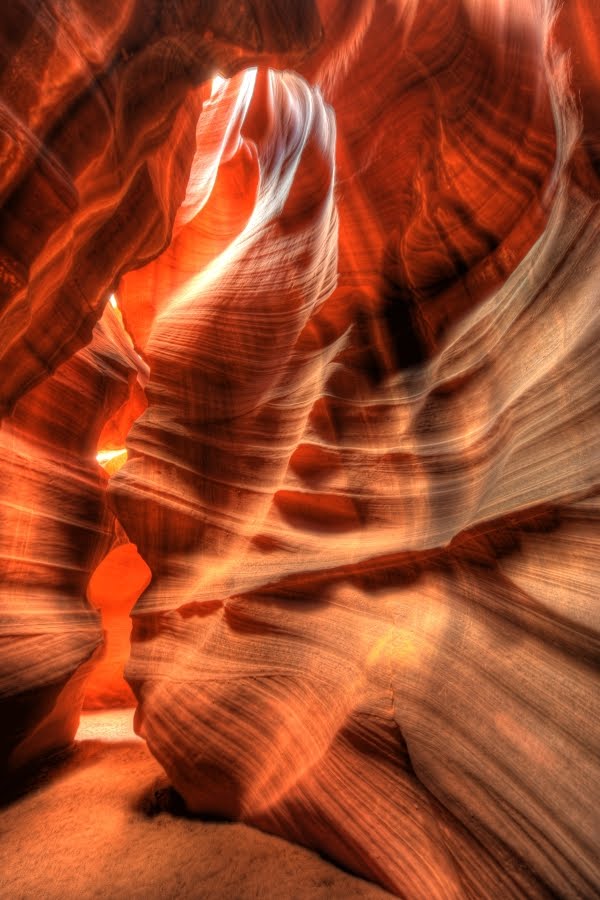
[[56, 527], [355, 370]]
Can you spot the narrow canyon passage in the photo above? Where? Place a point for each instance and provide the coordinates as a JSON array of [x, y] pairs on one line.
[[299, 449], [106, 809]]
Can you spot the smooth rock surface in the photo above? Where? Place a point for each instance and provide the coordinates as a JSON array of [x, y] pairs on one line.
[[332, 645], [55, 529], [362, 458], [98, 110], [102, 823]]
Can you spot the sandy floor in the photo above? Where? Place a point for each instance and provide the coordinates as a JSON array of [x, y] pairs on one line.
[[95, 823]]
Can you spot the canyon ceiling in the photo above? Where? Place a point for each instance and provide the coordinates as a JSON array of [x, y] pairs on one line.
[[299, 321]]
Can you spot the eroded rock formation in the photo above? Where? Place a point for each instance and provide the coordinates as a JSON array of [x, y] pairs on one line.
[[56, 528], [99, 109], [365, 480]]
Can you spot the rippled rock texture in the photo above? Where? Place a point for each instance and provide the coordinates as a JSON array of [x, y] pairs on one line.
[[359, 396], [99, 110], [56, 528], [99, 105]]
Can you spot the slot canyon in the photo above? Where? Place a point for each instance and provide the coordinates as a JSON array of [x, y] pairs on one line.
[[299, 449]]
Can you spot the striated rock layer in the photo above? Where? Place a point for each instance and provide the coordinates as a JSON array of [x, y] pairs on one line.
[[366, 478], [55, 528], [99, 109], [349, 492]]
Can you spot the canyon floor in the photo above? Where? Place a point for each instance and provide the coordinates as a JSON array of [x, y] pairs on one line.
[[100, 821]]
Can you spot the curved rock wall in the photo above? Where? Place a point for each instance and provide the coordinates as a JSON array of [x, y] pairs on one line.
[[99, 108], [325, 637], [365, 482], [55, 529]]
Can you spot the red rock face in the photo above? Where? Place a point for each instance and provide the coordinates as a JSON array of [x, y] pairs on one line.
[[100, 109], [99, 112], [362, 457], [56, 528]]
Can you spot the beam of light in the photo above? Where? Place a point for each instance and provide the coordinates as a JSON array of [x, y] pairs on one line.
[[217, 83], [107, 455], [113, 301], [112, 460]]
